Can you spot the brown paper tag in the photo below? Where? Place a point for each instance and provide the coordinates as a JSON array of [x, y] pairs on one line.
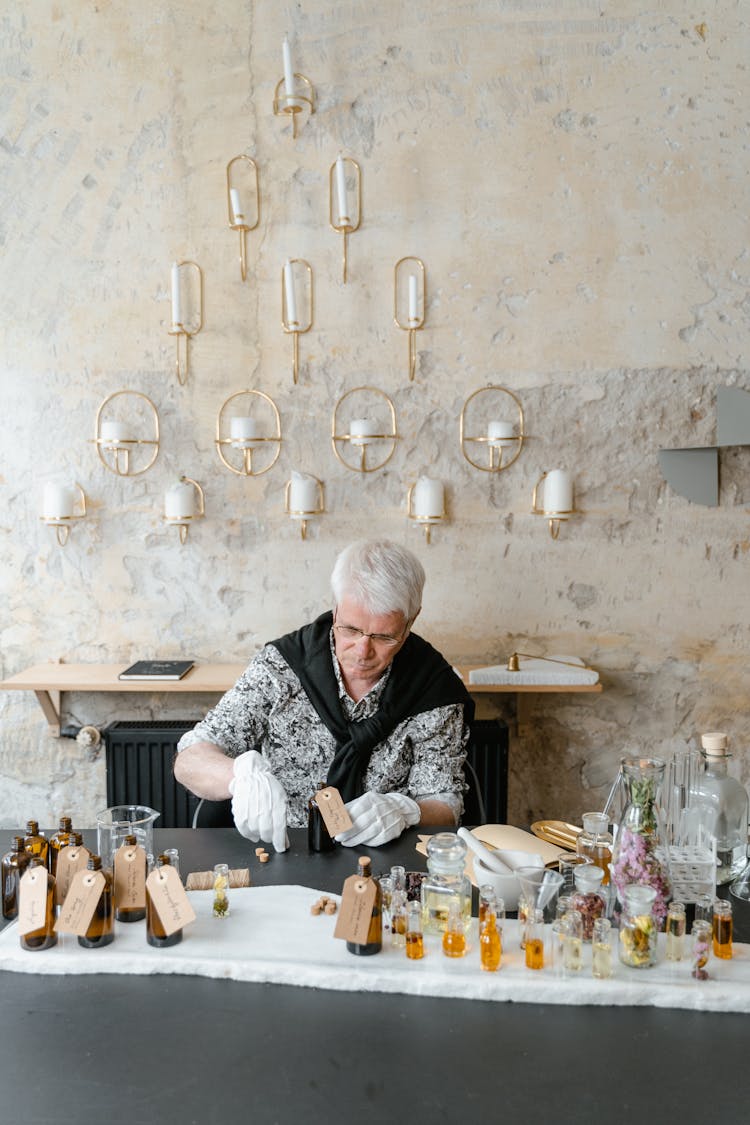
[[80, 902], [32, 900], [355, 912], [333, 810], [130, 876], [72, 859], [169, 899]]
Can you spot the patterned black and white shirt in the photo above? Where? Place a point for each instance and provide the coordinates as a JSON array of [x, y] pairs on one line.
[[268, 710]]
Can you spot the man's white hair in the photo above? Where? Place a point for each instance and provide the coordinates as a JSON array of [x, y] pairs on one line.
[[381, 576]]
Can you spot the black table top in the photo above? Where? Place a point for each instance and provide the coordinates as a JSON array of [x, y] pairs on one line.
[[176, 1049]]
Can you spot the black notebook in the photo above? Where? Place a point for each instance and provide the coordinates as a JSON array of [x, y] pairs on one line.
[[157, 670]]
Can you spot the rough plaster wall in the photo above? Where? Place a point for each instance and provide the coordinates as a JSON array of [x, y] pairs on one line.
[[574, 175]]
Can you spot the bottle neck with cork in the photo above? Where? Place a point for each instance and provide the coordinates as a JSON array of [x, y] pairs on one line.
[[374, 942]]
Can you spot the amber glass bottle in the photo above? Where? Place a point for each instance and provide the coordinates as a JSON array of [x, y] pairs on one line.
[[13, 865], [374, 942], [35, 843], [318, 837], [60, 840], [132, 913], [45, 937], [101, 929], [155, 934]]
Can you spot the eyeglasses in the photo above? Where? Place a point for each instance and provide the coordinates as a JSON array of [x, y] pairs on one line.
[[351, 633]]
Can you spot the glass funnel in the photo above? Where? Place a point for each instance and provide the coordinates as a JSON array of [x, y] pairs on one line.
[[114, 824], [540, 888]]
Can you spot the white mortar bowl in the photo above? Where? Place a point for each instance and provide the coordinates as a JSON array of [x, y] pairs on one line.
[[506, 887]]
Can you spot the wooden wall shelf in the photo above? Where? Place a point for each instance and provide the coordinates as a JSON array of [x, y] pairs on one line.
[[49, 681]]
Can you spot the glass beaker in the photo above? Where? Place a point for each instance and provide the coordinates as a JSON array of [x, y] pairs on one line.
[[540, 887], [114, 824]]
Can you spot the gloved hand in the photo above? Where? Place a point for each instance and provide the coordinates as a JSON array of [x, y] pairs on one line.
[[258, 801], [378, 818]]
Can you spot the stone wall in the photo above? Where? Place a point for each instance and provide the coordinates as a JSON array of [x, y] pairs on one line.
[[573, 174]]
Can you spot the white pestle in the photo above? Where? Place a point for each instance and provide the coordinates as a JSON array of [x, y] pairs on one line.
[[488, 858]]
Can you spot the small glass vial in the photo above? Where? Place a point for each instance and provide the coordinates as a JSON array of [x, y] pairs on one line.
[[588, 899], [601, 949], [155, 932], [45, 937], [221, 890], [704, 909], [534, 949], [173, 856], [490, 942], [131, 913], [700, 939], [446, 881], [595, 842], [676, 926], [558, 931], [35, 843], [12, 866], [638, 929], [319, 838], [454, 938], [398, 907], [58, 841], [722, 930], [523, 919], [487, 903], [101, 928], [374, 942], [414, 938], [573, 952]]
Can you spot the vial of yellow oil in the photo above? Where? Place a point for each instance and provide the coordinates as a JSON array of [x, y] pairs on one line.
[[490, 943], [534, 947], [414, 937], [454, 938]]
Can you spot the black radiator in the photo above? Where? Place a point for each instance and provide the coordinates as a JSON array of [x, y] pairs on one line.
[[140, 753]]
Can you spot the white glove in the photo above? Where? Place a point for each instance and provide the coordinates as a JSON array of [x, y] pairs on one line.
[[258, 801], [378, 818]]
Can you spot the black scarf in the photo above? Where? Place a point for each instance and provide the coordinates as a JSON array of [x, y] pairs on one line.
[[420, 680]]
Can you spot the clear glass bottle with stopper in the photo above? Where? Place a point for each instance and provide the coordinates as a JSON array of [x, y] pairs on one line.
[[723, 802], [588, 899], [595, 841], [446, 882]]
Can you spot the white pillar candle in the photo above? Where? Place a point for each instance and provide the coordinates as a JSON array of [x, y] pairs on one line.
[[176, 305], [428, 498], [500, 434], [341, 192], [238, 215], [558, 491], [59, 502], [288, 68], [303, 494], [179, 501], [243, 431], [114, 434], [362, 430], [413, 300], [291, 299]]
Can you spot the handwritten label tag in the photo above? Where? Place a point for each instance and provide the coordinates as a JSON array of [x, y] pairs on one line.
[[80, 902], [32, 900], [355, 912], [333, 810], [72, 859], [130, 877], [169, 899]]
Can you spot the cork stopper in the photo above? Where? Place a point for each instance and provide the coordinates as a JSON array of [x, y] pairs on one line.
[[364, 862], [715, 744]]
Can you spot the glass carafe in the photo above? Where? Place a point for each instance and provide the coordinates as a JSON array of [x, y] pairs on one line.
[[723, 807], [639, 854]]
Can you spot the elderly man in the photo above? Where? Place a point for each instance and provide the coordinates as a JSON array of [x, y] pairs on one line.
[[355, 699]]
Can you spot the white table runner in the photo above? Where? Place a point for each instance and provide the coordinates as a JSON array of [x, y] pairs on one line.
[[271, 937]]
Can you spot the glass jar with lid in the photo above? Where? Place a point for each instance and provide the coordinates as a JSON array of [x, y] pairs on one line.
[[595, 841], [588, 899], [723, 805], [446, 882], [638, 928]]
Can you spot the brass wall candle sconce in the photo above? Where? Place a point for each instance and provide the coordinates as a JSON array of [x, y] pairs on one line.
[[243, 191], [296, 292], [293, 93], [410, 303], [303, 499], [184, 503], [116, 441], [245, 438], [557, 506], [425, 504], [503, 436], [363, 432], [187, 311], [61, 507], [344, 210]]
